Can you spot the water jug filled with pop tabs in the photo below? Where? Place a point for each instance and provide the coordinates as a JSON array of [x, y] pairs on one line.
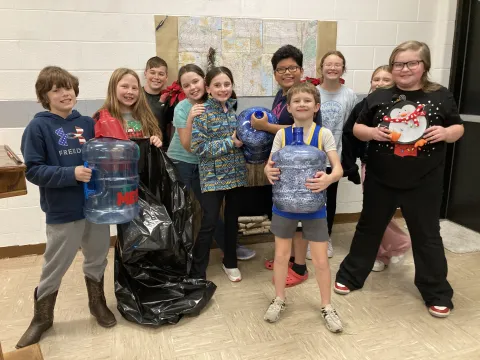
[[256, 144], [297, 163], [111, 196]]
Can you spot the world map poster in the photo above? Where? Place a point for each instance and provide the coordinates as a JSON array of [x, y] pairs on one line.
[[246, 47]]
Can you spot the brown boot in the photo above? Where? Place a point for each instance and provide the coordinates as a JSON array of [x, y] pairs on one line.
[[98, 305], [42, 319]]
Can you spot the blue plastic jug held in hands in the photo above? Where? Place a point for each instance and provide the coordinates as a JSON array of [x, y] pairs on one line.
[[297, 163], [112, 193], [256, 144]]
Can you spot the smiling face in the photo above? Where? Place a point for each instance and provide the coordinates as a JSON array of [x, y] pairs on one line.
[[381, 78], [410, 76], [333, 67], [290, 76], [302, 106], [193, 85], [156, 79], [61, 100], [127, 92], [220, 88]]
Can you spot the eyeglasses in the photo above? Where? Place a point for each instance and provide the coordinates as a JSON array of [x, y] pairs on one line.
[[411, 65], [291, 69]]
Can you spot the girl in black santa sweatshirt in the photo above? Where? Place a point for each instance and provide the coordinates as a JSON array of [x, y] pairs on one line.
[[407, 126]]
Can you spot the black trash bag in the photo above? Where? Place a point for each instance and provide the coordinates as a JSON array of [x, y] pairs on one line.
[[153, 254]]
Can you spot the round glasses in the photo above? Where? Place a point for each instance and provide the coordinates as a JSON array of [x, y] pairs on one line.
[[291, 69], [411, 65]]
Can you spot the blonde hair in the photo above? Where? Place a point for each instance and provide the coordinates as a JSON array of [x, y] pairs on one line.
[[304, 87], [424, 51], [140, 110], [380, 68], [376, 71]]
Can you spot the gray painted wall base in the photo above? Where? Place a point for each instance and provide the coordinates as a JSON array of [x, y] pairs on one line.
[[17, 114]]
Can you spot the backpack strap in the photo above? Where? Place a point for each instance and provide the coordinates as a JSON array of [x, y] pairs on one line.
[[312, 134], [287, 136], [320, 137]]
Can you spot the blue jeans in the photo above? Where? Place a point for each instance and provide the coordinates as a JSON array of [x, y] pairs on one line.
[[191, 178]]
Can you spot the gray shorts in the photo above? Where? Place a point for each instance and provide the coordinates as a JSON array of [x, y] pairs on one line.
[[312, 230]]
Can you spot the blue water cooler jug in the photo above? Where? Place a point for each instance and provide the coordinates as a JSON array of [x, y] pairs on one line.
[[256, 144], [112, 193], [297, 163]]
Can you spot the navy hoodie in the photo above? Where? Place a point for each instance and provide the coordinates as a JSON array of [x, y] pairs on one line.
[[52, 148]]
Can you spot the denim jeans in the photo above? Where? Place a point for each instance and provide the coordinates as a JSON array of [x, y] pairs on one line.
[[191, 178]]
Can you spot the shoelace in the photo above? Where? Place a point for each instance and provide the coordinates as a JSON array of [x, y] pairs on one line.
[[277, 305], [331, 316]]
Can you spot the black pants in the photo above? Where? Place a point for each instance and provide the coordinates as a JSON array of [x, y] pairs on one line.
[[331, 202], [421, 210], [211, 203]]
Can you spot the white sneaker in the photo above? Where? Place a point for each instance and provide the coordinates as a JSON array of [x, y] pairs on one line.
[[273, 312], [397, 259], [332, 320], [309, 253], [233, 275], [379, 266], [330, 248]]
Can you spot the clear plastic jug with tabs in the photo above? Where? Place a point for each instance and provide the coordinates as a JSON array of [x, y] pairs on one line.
[[297, 163], [112, 193]]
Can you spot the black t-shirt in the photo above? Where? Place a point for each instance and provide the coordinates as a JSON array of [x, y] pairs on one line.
[[393, 164], [161, 112], [279, 109]]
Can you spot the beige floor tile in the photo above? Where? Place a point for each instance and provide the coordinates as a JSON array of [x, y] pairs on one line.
[[328, 346], [24, 262], [242, 299], [469, 354], [11, 282], [133, 342], [200, 335], [248, 327], [385, 320], [231, 354], [468, 319], [285, 349], [377, 342], [441, 335]]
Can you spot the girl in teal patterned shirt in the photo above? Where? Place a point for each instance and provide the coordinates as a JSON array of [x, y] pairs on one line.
[[192, 80], [222, 171]]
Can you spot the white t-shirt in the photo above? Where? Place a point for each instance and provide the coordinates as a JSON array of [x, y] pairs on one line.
[[328, 141]]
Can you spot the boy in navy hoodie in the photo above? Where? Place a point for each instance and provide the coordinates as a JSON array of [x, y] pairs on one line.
[[52, 149]]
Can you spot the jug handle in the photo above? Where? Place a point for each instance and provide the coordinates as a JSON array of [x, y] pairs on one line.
[[87, 192]]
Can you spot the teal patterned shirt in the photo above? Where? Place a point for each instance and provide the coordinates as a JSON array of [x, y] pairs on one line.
[[222, 166]]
